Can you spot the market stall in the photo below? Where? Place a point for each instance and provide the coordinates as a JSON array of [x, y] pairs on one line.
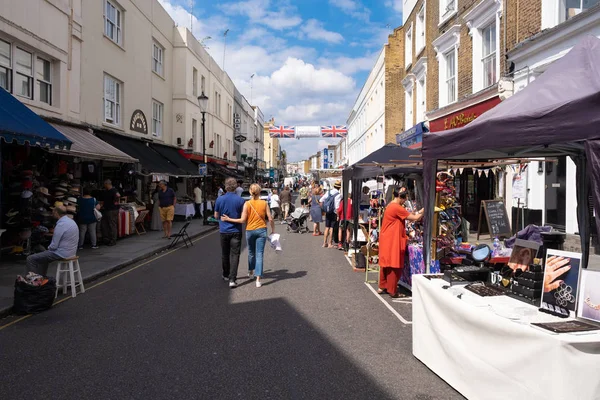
[[458, 333]]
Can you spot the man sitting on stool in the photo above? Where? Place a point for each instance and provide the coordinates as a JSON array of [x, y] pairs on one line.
[[64, 243]]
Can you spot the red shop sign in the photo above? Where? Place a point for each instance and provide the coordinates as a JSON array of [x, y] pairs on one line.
[[463, 117]]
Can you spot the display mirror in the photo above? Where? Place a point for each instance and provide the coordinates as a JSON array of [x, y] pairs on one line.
[[481, 253]]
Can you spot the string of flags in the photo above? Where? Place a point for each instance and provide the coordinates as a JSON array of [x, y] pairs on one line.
[[476, 171]]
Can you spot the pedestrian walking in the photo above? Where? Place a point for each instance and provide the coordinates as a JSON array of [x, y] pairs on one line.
[[232, 206], [221, 191], [316, 212], [286, 200], [198, 200], [86, 217], [330, 202], [239, 189], [63, 245], [275, 204], [346, 223], [110, 213], [254, 214], [393, 242], [166, 202], [304, 195]]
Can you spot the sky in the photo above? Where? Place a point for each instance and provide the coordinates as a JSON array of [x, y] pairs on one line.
[[309, 58]]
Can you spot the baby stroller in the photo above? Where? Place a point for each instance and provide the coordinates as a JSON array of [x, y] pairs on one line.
[[296, 221]]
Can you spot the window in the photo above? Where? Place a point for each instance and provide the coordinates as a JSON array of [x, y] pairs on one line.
[[195, 82], [43, 72], [408, 47], [157, 118], [421, 93], [157, 58], [24, 73], [447, 9], [574, 7], [112, 100], [420, 34], [489, 55], [203, 84], [450, 76], [5, 66], [219, 106], [195, 130], [228, 148], [216, 103], [408, 109], [218, 146], [113, 22]]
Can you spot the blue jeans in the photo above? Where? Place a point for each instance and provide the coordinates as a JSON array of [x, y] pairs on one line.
[[256, 241]]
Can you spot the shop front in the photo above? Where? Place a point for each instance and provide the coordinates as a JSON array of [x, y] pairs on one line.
[[472, 185], [413, 137]]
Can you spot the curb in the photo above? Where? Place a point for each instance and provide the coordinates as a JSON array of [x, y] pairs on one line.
[[7, 311]]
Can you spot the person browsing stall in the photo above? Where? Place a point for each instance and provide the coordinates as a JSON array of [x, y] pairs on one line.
[[166, 202], [110, 213], [393, 242], [64, 243], [330, 202]]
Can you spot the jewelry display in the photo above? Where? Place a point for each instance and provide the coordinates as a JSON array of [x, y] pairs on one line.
[[564, 295]]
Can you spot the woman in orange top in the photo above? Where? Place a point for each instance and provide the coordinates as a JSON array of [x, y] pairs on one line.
[[392, 243], [254, 214]]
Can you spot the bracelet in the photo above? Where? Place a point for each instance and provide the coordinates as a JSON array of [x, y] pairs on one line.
[[589, 303]]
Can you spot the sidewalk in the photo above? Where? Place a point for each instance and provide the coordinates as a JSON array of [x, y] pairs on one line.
[[96, 263]]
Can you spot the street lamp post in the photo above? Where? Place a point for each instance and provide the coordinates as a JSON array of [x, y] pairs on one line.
[[203, 103]]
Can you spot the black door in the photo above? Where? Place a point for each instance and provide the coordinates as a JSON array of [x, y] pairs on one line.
[[556, 178]]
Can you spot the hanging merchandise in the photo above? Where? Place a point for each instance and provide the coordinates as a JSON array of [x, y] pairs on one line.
[[447, 232]]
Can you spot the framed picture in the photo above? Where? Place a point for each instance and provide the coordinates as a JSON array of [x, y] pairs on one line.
[[589, 295], [523, 253], [561, 279]]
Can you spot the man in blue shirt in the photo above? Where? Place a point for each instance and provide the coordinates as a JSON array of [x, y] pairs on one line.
[[64, 243], [231, 205]]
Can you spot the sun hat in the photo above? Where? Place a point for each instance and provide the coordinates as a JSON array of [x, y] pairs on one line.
[[337, 184], [71, 199], [43, 191]]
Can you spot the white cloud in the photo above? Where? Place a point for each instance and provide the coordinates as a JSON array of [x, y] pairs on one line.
[[348, 65], [396, 5], [314, 29], [353, 8], [264, 12], [304, 78]]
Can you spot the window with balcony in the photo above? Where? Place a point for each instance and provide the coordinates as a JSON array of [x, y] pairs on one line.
[[112, 100], [24, 73], [113, 22], [44, 80], [157, 118], [489, 55], [157, 58], [420, 34]]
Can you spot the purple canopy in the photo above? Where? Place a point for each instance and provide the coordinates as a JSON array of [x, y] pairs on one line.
[[557, 114]]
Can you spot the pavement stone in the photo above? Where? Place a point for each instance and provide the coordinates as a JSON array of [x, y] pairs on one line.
[[102, 261]]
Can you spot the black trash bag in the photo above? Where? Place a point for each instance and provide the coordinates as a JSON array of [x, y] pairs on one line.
[[33, 299]]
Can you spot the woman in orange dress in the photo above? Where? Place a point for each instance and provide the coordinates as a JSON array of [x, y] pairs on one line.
[[393, 242]]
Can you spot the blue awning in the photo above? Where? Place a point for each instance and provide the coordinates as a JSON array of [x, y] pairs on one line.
[[19, 124]]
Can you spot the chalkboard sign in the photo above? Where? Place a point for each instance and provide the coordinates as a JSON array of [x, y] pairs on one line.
[[496, 218]]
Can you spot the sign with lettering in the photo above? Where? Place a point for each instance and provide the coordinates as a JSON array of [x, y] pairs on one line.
[[462, 117], [496, 218], [138, 122], [237, 123], [240, 138]]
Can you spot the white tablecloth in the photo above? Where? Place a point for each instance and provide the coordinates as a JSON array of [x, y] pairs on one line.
[[486, 356], [187, 210]]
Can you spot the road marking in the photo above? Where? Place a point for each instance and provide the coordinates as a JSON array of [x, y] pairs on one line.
[[113, 277], [400, 317]]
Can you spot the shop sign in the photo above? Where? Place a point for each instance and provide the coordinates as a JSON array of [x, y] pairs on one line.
[[240, 138], [138, 122], [463, 117], [237, 123], [202, 170]]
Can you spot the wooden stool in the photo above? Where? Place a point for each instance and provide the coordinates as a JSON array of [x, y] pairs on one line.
[[65, 276]]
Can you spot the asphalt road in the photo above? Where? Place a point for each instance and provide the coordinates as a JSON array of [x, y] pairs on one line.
[[172, 329]]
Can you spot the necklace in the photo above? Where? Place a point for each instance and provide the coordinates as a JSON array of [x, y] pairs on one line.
[[589, 303]]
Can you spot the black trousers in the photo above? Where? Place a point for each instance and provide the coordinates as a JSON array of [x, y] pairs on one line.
[[198, 207], [231, 245], [110, 225]]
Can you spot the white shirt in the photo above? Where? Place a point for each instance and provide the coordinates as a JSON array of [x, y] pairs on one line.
[[239, 190], [65, 239], [275, 201], [332, 192], [198, 195], [220, 192]]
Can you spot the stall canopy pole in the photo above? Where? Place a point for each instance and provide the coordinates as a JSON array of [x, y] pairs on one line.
[[429, 173]]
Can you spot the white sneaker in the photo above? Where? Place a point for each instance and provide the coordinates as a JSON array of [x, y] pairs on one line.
[[258, 284], [232, 284], [225, 278]]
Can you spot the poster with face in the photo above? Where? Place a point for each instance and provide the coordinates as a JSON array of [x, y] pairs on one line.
[[523, 254], [561, 278], [589, 295]]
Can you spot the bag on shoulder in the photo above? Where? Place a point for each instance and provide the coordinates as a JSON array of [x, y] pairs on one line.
[[97, 213], [329, 204]]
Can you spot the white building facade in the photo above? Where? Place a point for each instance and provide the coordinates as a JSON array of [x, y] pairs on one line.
[[366, 123], [565, 25]]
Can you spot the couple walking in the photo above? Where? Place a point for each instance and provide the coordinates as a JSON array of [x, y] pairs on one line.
[[232, 211]]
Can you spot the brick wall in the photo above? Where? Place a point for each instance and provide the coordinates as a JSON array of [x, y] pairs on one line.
[[394, 92], [432, 32], [521, 23]]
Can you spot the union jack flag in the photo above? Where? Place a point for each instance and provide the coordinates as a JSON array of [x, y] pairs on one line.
[[283, 131], [333, 131]]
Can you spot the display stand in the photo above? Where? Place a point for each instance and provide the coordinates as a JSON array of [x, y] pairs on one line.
[[375, 212], [446, 222]]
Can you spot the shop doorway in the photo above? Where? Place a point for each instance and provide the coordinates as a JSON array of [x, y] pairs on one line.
[[472, 189], [556, 185]]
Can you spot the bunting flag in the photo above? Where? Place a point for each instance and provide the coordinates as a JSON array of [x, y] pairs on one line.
[[461, 170], [487, 172]]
